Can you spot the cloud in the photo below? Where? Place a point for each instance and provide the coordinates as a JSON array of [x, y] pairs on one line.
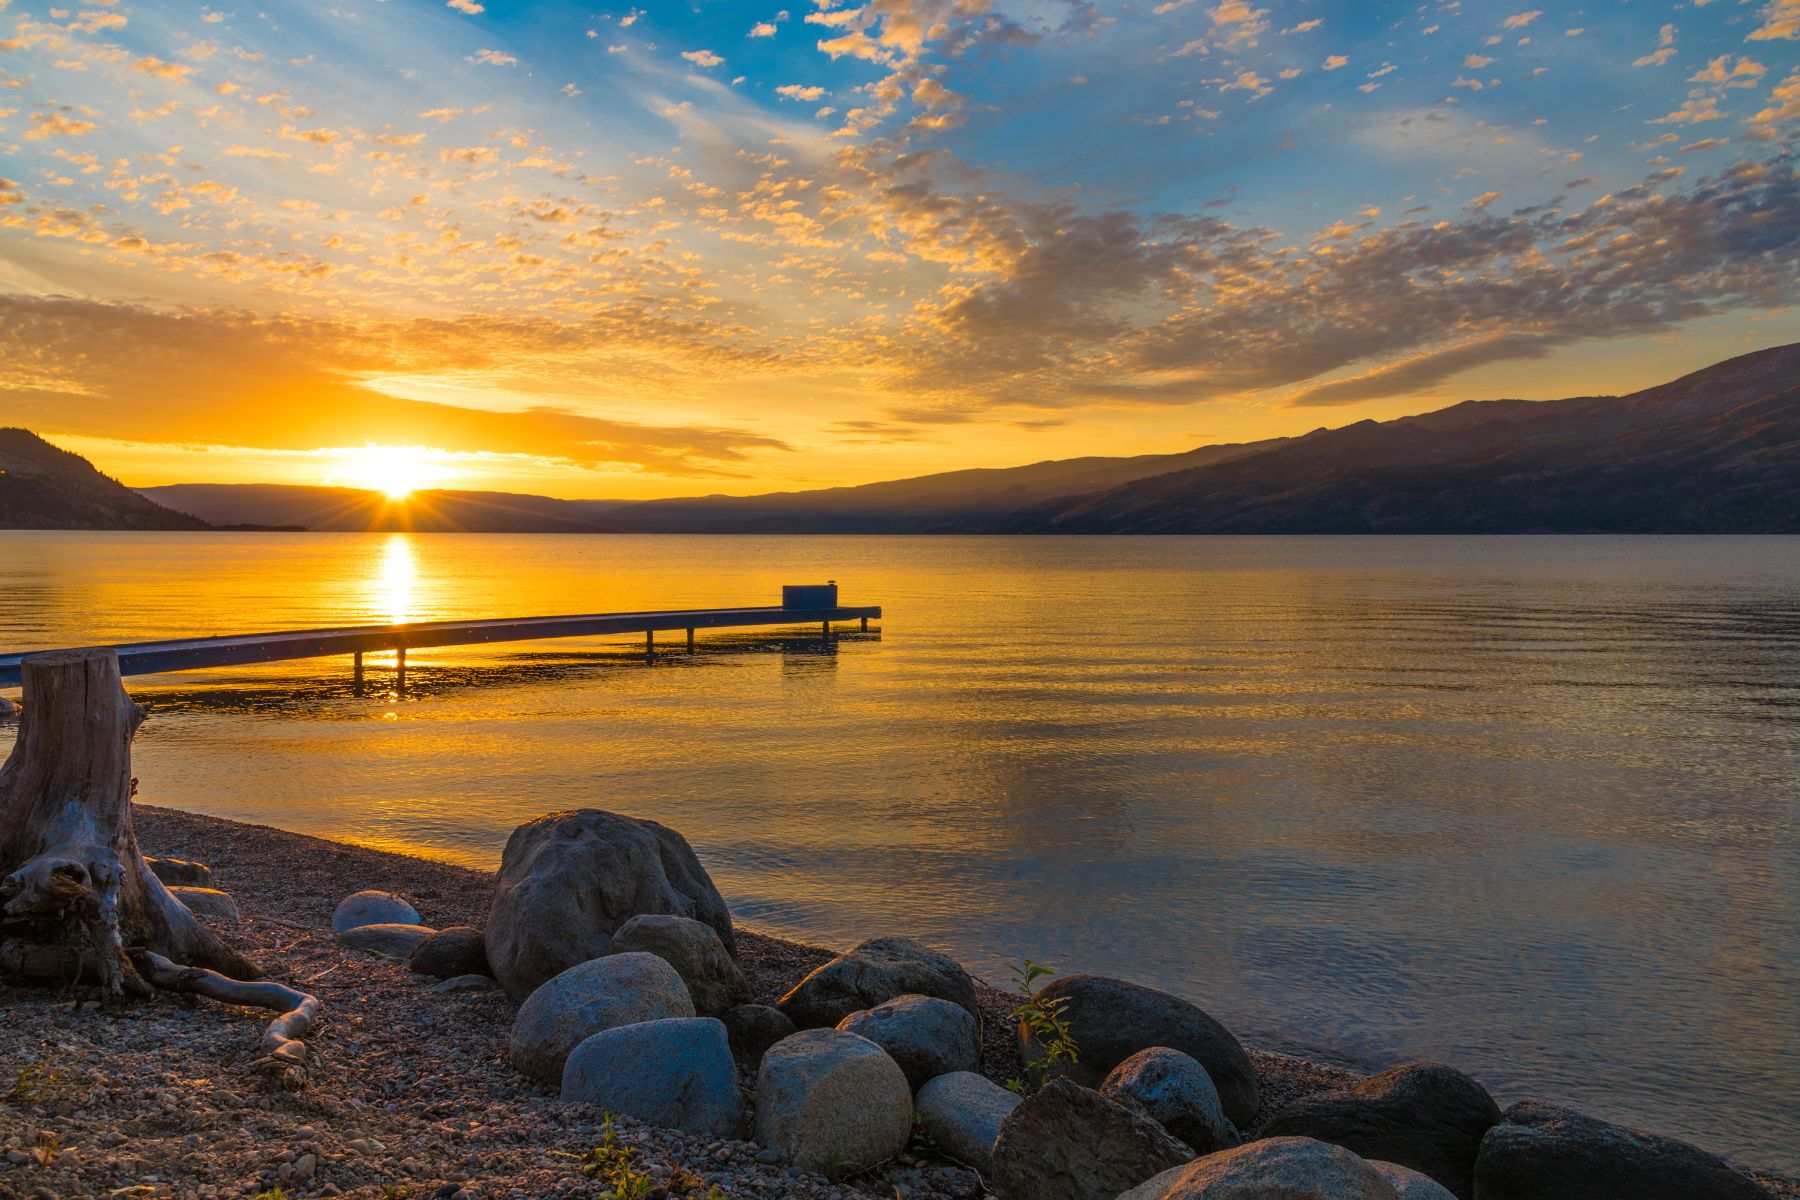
[[1521, 20], [762, 29], [57, 124], [466, 6], [493, 58], [794, 91], [1333, 62], [1665, 42], [702, 58], [1780, 22], [149, 64]]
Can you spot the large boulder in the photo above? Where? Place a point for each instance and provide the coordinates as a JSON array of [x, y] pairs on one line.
[[1541, 1152], [458, 950], [603, 993], [676, 1073], [1421, 1115], [1112, 1019], [389, 941], [1411, 1184], [1285, 1168], [207, 903], [961, 1113], [832, 1101], [173, 871], [1068, 1142], [567, 881], [693, 948], [1175, 1091], [928, 1037], [752, 1029], [372, 908], [875, 972]]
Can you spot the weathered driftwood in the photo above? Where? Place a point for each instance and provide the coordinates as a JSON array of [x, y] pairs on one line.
[[78, 903], [284, 1047]]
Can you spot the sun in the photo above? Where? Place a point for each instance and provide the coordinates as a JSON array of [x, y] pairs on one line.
[[396, 471]]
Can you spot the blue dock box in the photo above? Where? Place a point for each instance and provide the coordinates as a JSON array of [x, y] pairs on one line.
[[809, 595]]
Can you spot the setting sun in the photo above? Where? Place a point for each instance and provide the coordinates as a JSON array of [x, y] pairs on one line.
[[397, 471]]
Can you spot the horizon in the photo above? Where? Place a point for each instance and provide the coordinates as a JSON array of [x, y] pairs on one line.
[[648, 252]]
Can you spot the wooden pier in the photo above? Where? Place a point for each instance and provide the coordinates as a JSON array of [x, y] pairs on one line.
[[195, 654]]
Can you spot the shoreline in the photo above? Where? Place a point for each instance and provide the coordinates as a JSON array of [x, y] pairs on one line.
[[411, 1087]]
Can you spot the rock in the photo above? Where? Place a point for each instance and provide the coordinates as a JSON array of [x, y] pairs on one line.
[[603, 993], [463, 984], [1410, 1183], [753, 1028], [1174, 1090], [1068, 1142], [179, 872], [961, 1113], [1286, 1168], [1112, 1019], [1541, 1152], [873, 973], [207, 903], [458, 950], [567, 881], [676, 1074], [394, 941], [830, 1100], [1421, 1115], [694, 950], [928, 1037], [372, 908]]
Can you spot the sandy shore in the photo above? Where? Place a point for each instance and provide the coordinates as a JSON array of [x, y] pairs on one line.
[[410, 1094]]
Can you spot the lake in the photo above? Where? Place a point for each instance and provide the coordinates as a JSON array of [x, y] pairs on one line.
[[1530, 806]]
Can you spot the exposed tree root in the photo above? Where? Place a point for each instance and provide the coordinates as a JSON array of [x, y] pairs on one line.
[[284, 1050]]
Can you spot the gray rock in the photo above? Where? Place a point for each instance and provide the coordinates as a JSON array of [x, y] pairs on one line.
[[462, 984], [1287, 1168], [928, 1037], [567, 881], [1112, 1019], [207, 903], [1067, 1142], [372, 908], [173, 871], [753, 1028], [873, 973], [693, 948], [1174, 1090], [390, 941], [826, 1099], [676, 1074], [1411, 1184], [961, 1113], [603, 993], [1426, 1116], [1541, 1152], [458, 950]]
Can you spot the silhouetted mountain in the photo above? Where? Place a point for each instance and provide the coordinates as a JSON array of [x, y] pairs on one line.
[[337, 509], [1712, 452], [42, 487]]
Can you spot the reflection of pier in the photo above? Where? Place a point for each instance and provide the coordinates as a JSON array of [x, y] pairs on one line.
[[801, 606]]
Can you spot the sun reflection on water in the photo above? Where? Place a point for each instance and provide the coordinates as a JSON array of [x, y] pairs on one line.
[[395, 579]]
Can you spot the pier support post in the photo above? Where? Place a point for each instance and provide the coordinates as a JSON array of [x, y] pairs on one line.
[[649, 645], [400, 669], [865, 627], [825, 630], [358, 672], [690, 641]]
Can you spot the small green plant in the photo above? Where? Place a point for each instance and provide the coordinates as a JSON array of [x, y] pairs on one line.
[[1047, 1021], [395, 1191], [610, 1165], [37, 1080], [922, 1145], [832, 1166], [1015, 1085], [274, 1193]]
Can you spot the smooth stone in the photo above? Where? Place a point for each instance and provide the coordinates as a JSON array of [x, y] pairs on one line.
[[603, 993], [372, 908], [207, 902], [961, 1113], [462, 984], [391, 941], [1068, 1142], [753, 1028], [1542, 1152], [693, 948], [1426, 1116], [675, 1074], [928, 1037], [458, 950], [878, 970], [826, 1099], [177, 871], [1411, 1184], [568, 881], [1112, 1019], [1286, 1168], [1174, 1090]]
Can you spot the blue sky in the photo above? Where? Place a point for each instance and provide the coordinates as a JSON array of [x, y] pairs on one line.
[[641, 250]]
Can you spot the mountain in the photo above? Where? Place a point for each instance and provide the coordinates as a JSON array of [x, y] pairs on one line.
[[338, 510], [42, 487], [1716, 451]]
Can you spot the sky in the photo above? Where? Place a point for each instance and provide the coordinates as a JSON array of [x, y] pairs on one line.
[[687, 248]]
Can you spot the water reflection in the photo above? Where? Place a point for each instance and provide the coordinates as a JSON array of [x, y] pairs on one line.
[[395, 578]]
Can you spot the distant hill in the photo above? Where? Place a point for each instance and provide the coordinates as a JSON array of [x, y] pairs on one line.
[[42, 487], [1717, 451], [352, 509]]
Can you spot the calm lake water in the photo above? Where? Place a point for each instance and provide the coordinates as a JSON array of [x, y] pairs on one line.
[[1526, 805]]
